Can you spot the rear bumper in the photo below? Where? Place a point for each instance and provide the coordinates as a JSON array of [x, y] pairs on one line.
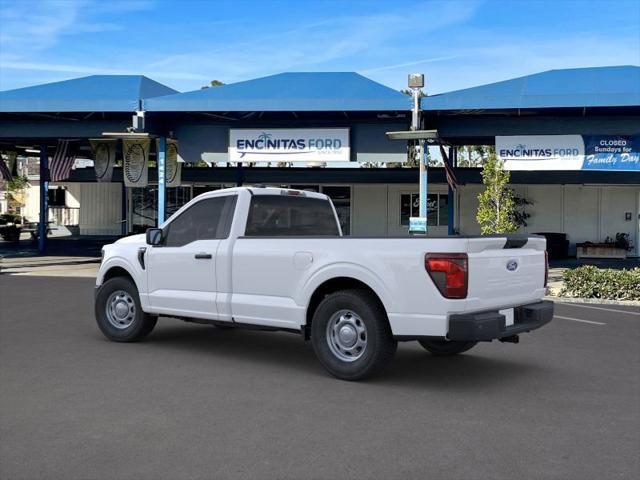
[[486, 326]]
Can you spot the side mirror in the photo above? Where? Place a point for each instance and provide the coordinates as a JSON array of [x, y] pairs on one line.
[[154, 236]]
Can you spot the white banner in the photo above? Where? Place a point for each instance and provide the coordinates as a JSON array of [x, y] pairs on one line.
[[104, 157], [541, 152], [136, 161], [289, 145]]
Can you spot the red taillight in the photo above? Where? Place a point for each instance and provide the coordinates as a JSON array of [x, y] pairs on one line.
[[546, 267], [449, 272]]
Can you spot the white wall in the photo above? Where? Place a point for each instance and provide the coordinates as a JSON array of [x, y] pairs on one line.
[[369, 210], [100, 208], [584, 212]]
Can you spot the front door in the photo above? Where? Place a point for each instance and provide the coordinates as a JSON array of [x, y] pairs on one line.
[[181, 272]]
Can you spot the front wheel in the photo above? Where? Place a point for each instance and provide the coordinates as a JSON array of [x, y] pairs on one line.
[[119, 314], [445, 348], [351, 336]]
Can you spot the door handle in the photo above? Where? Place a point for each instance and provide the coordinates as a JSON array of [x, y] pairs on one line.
[[203, 256]]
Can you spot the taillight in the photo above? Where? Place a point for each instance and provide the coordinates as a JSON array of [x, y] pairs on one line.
[[449, 272], [546, 267]]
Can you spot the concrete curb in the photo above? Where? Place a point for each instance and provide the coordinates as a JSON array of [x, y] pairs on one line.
[[596, 301]]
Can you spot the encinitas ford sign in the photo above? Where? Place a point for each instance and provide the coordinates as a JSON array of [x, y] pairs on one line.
[[289, 145], [569, 152]]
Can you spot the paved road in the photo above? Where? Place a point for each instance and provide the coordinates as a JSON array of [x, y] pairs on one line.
[[197, 402]]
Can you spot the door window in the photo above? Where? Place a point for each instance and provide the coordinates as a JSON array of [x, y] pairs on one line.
[[208, 219]]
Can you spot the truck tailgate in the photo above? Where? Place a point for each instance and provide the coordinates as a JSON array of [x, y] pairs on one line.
[[505, 271]]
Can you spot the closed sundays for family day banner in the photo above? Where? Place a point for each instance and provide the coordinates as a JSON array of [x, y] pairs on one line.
[[569, 152], [289, 145]]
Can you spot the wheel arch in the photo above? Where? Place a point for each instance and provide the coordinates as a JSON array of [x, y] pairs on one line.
[[333, 285]]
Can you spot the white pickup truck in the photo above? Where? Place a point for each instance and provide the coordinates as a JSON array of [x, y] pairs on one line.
[[275, 259]]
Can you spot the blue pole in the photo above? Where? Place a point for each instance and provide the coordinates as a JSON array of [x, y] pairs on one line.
[[423, 179], [124, 211], [450, 198], [44, 199], [162, 191]]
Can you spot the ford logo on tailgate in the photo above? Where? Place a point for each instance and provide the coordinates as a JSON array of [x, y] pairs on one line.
[[512, 265]]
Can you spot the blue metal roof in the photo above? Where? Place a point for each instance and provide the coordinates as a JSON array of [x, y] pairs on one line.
[[297, 92], [577, 87], [96, 93]]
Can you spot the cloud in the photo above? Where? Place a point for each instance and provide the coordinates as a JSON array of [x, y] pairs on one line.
[[409, 64]]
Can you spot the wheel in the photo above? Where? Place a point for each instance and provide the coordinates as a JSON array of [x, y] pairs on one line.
[[118, 311], [351, 336], [444, 348]]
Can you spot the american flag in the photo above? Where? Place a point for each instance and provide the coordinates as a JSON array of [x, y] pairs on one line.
[[451, 175], [62, 160], [4, 170]]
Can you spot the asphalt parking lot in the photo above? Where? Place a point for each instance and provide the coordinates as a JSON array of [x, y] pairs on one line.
[[197, 402]]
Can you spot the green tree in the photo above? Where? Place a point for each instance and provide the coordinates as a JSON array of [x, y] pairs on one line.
[[213, 83], [496, 209]]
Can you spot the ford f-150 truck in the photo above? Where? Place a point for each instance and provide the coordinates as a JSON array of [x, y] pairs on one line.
[[275, 259]]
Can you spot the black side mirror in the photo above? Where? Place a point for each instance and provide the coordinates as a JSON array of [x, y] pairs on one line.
[[154, 236]]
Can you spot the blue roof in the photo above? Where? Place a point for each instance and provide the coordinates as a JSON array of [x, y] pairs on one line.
[[96, 93], [577, 87], [297, 92]]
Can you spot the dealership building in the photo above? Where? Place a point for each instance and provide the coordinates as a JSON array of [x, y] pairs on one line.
[[570, 137]]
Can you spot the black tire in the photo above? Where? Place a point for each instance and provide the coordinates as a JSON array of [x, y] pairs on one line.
[[445, 348], [140, 326], [380, 344]]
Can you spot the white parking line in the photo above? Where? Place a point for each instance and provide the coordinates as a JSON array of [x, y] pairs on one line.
[[601, 308], [579, 320]]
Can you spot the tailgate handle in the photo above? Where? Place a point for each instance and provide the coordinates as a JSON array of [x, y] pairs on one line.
[[203, 256]]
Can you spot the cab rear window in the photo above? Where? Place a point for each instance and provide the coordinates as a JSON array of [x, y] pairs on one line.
[[284, 215]]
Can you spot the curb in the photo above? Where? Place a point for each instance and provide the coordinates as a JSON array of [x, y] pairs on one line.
[[596, 301]]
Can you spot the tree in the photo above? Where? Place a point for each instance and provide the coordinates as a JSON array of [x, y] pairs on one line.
[[496, 209], [213, 83]]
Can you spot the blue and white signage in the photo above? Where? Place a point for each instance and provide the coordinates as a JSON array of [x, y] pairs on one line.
[[289, 145], [541, 152], [569, 152], [611, 152], [418, 225]]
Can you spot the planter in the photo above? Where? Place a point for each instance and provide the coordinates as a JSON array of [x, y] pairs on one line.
[[599, 250]]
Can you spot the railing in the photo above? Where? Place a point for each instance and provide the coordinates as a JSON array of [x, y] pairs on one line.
[[64, 215]]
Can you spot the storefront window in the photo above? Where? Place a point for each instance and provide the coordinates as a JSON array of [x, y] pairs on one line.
[[437, 211], [341, 198], [144, 208], [176, 198]]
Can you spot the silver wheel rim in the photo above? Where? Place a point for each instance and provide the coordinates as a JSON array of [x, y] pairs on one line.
[[121, 309], [347, 335]]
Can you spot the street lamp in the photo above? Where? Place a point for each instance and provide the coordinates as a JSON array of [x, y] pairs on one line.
[[416, 83]]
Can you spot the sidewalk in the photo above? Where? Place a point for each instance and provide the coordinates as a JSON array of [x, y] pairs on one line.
[[51, 266]]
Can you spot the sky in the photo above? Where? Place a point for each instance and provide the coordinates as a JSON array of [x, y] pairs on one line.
[[185, 44]]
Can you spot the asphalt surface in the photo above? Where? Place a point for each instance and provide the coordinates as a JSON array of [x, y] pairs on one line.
[[197, 402]]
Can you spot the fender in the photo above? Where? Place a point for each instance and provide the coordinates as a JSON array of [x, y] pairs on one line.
[[132, 269], [345, 269]]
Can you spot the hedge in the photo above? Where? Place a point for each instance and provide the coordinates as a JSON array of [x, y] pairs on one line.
[[593, 282]]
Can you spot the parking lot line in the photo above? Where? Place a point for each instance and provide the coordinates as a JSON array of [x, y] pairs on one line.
[[601, 308], [579, 320]]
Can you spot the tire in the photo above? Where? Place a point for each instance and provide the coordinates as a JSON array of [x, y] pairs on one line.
[[363, 330], [126, 322], [446, 348]]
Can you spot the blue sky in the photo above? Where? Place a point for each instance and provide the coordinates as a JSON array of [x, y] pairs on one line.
[[184, 44]]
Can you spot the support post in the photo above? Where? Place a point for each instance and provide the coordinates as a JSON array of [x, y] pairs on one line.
[[124, 210], [162, 190], [450, 196], [44, 199], [239, 174]]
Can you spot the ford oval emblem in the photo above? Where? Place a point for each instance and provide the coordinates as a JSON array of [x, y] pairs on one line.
[[512, 265]]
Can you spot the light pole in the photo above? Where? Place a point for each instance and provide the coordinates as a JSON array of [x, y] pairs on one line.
[[416, 83]]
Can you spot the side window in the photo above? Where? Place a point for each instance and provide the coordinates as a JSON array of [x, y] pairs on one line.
[[282, 215], [206, 220]]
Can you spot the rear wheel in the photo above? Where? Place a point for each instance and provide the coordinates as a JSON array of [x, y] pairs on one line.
[[444, 348], [351, 336], [118, 311]]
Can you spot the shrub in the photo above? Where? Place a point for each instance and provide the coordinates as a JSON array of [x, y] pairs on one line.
[[592, 282]]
